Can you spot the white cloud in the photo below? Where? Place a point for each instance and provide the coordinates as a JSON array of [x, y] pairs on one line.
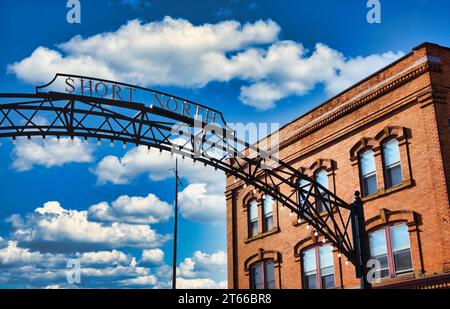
[[14, 255], [132, 209], [109, 269], [152, 256], [199, 204], [203, 283], [202, 200], [50, 153], [200, 271], [113, 257], [55, 228], [202, 265], [174, 52], [139, 160], [141, 281], [157, 53]]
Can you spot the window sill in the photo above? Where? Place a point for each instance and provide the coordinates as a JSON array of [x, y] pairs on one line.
[[382, 192], [262, 235], [397, 279]]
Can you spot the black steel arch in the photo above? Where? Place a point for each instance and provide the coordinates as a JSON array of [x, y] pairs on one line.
[[68, 114]]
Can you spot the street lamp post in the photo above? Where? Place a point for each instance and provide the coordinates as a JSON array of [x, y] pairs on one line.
[[360, 241], [175, 231]]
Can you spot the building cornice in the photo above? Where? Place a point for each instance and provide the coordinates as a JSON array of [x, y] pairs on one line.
[[353, 105]]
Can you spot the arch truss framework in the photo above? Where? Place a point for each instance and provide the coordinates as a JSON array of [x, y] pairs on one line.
[[84, 107]]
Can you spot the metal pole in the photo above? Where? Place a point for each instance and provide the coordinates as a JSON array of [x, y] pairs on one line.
[[175, 232], [360, 241]]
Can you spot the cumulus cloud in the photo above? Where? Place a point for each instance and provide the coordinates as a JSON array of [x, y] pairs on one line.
[[13, 255], [199, 204], [132, 209], [138, 161], [35, 269], [141, 281], [113, 257], [152, 256], [203, 271], [204, 283], [202, 200], [175, 52], [202, 264], [52, 227], [200, 271], [51, 153]]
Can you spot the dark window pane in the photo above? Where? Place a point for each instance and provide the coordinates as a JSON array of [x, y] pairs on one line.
[[268, 223], [370, 185], [328, 282], [394, 175], [256, 276], [384, 265], [269, 275], [310, 281], [402, 261], [254, 228]]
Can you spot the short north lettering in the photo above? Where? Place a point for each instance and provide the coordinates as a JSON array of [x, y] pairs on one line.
[[92, 87]]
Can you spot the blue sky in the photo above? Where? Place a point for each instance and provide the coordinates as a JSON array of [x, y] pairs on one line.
[[256, 61]]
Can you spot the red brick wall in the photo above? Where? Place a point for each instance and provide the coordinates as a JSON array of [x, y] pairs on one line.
[[410, 108]]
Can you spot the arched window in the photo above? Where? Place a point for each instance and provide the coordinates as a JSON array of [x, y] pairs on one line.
[[268, 214], [322, 178], [368, 173], [390, 246], [262, 275], [252, 218], [392, 165], [318, 267]]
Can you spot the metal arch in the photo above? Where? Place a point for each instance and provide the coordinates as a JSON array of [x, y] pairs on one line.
[[72, 115]]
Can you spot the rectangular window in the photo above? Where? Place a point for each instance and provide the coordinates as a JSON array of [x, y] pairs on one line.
[[318, 268], [392, 163], [269, 275], [326, 267], [253, 218], [262, 275], [368, 173], [268, 214], [310, 269], [378, 250], [401, 249], [391, 247], [256, 274]]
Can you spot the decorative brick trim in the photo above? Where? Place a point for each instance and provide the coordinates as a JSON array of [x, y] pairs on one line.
[[391, 131], [386, 217], [260, 256], [363, 144]]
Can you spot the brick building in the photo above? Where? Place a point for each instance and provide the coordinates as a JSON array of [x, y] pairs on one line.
[[387, 136]]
